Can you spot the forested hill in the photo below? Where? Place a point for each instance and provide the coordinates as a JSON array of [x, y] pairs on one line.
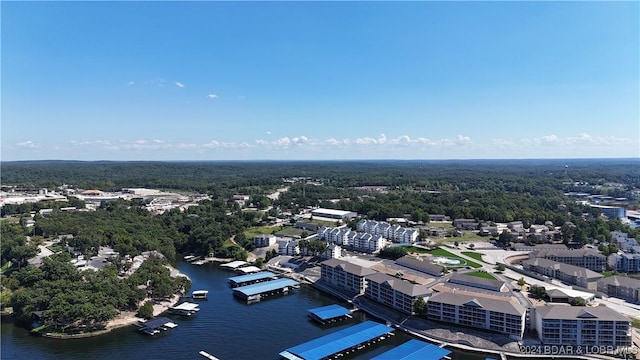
[[216, 176]]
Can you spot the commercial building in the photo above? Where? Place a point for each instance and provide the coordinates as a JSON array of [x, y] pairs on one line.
[[334, 214], [571, 274], [492, 313], [612, 212], [581, 325], [396, 293], [345, 275], [587, 258], [621, 287]]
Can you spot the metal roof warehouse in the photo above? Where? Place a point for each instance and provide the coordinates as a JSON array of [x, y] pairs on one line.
[[337, 342]]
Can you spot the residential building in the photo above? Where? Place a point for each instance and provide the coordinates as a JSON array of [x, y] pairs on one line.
[[571, 274], [366, 242], [394, 232], [477, 282], [581, 325], [333, 251], [344, 275], [393, 292], [492, 313], [628, 263], [622, 287], [264, 240], [465, 224], [438, 217], [623, 241], [421, 265], [288, 246], [587, 258]]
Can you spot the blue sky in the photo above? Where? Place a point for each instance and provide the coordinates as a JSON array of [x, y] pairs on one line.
[[319, 80]]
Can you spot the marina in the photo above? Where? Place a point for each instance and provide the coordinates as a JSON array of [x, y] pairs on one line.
[[258, 291], [414, 349], [154, 326], [329, 313], [339, 343], [250, 279], [234, 264]]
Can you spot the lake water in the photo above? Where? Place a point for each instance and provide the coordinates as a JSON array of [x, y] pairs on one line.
[[224, 327]]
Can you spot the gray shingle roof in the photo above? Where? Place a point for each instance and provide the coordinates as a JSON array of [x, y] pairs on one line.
[[566, 312], [564, 268], [500, 306], [621, 281], [349, 267], [468, 280], [400, 285], [420, 265]]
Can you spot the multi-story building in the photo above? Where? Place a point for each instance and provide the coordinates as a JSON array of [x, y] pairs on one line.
[[394, 232], [393, 292], [420, 265], [333, 214], [333, 251], [288, 246], [587, 258], [612, 212], [493, 313], [571, 274], [344, 275], [366, 242], [621, 287], [628, 263], [581, 325], [623, 241], [264, 240]]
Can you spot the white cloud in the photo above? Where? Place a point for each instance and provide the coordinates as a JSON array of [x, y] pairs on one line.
[[212, 96], [27, 144], [268, 132], [131, 83], [179, 84]]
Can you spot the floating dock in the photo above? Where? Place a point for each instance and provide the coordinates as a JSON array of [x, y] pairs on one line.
[[340, 342], [153, 326], [234, 264], [186, 308], [256, 292], [414, 349], [199, 294], [329, 313], [248, 269], [207, 355], [250, 279]]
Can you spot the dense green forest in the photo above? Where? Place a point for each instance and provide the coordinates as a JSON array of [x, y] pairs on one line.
[[531, 191]]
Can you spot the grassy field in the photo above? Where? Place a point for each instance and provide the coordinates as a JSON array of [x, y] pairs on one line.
[[259, 230], [291, 231], [445, 253], [607, 273], [417, 250], [11, 220], [481, 274], [635, 322], [473, 255]]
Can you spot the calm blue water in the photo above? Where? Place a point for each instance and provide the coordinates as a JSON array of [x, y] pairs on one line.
[[225, 327]]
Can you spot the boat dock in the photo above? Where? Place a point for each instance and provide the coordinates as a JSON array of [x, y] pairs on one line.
[[329, 313], [248, 269], [185, 308], [256, 292], [414, 349], [199, 294], [207, 355], [153, 326], [244, 280], [234, 264], [339, 343]]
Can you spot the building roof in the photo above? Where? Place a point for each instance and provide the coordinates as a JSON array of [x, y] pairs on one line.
[[475, 281], [572, 270], [338, 341], [489, 304], [249, 269], [566, 312], [566, 253], [622, 281], [420, 265], [252, 277], [332, 212], [156, 323], [186, 306], [348, 267], [399, 285], [259, 288], [330, 311], [413, 350], [234, 264]]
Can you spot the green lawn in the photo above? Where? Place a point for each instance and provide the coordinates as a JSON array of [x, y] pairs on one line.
[[607, 273], [481, 274], [445, 253], [473, 255], [254, 231], [291, 231], [635, 322], [417, 250]]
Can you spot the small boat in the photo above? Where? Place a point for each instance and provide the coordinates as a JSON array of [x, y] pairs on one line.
[[199, 294]]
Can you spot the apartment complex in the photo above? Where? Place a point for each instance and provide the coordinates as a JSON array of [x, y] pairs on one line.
[[587, 258], [571, 274], [358, 241], [395, 232], [581, 325], [628, 263], [264, 240], [621, 287], [485, 312], [393, 292], [345, 275]]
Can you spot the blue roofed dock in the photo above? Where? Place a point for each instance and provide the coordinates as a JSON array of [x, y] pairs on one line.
[[244, 280], [329, 313], [414, 350], [342, 341], [258, 291]]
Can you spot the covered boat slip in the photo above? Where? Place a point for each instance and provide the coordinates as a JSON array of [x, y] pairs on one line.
[[244, 280], [414, 350], [199, 294], [329, 313], [334, 344], [154, 326], [257, 291], [186, 308], [234, 264]]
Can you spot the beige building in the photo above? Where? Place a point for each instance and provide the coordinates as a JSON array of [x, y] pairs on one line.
[[345, 275], [393, 292], [621, 287], [571, 274]]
